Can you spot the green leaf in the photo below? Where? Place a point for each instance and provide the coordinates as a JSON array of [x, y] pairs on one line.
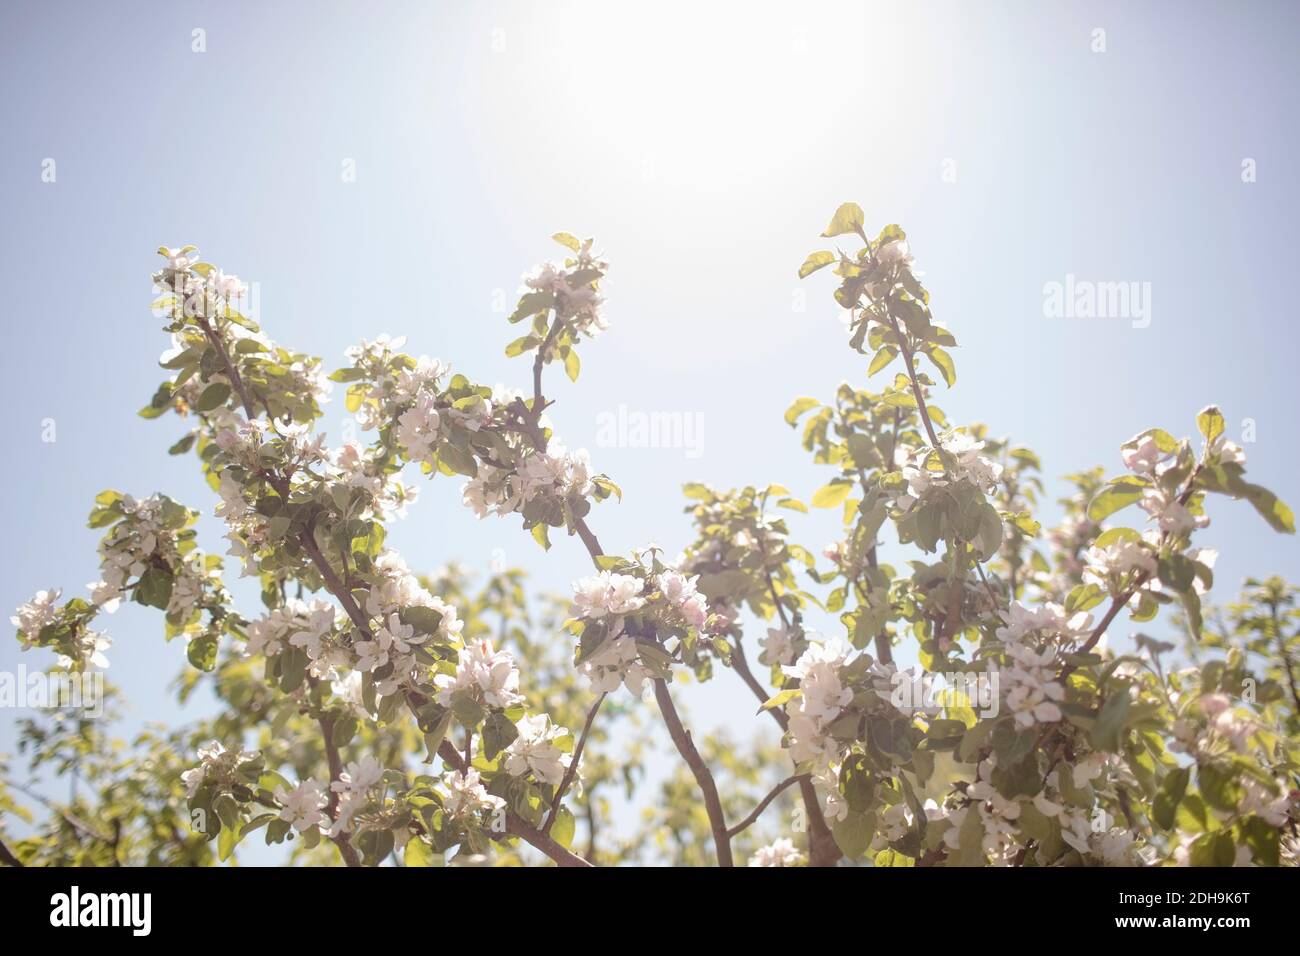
[[356, 394], [780, 699], [1120, 493], [542, 535], [799, 406], [832, 495], [1116, 536], [1210, 422], [227, 841], [1084, 597], [564, 827], [213, 396], [418, 853], [1165, 805], [531, 304], [202, 652], [882, 359], [853, 834], [572, 365], [943, 362], [1262, 839], [815, 261], [459, 461], [1272, 508], [1109, 728], [155, 588], [848, 218], [1213, 849], [568, 240], [1219, 786], [498, 733], [525, 343]]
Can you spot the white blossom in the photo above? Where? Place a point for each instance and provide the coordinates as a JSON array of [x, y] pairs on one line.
[[777, 853]]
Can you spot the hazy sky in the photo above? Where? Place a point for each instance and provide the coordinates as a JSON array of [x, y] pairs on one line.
[[705, 147]]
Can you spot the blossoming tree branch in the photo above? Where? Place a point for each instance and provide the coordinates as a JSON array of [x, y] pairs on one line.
[[393, 717]]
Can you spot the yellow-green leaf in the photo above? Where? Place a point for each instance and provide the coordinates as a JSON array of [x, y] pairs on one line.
[[569, 240], [943, 362], [1210, 422], [883, 358], [830, 496], [815, 261], [848, 218]]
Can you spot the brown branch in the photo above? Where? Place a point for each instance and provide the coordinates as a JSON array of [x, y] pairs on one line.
[[232, 372], [906, 349], [342, 841], [529, 425], [1283, 656], [517, 826], [763, 804], [7, 857], [824, 851], [686, 747], [572, 769], [340, 592]]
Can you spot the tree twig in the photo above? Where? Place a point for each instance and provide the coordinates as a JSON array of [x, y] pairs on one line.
[[7, 857], [517, 826], [763, 804], [686, 747], [572, 769]]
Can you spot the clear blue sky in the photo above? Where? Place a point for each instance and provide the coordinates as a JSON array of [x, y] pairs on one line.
[[705, 147]]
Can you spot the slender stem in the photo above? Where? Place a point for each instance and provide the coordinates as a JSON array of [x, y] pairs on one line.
[[232, 371], [529, 424], [763, 804], [686, 747], [335, 586], [884, 652], [1283, 656], [342, 841], [572, 769], [824, 851], [906, 349], [515, 825], [7, 857]]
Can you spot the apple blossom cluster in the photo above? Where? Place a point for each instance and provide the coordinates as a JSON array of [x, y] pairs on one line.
[[483, 674], [153, 539], [296, 623], [148, 553], [41, 622], [202, 303], [220, 769], [957, 459], [354, 789], [632, 612], [823, 694], [203, 287], [571, 290], [491, 436], [467, 797], [1033, 640], [537, 750], [537, 478], [303, 806], [781, 852]]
